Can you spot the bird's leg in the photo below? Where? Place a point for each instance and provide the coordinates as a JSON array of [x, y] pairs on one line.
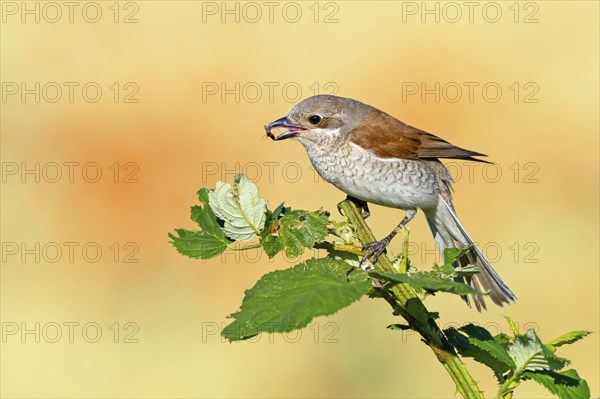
[[364, 205], [360, 204], [376, 248]]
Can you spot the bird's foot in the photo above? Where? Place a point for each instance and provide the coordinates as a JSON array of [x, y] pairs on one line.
[[365, 211], [360, 204], [374, 250]]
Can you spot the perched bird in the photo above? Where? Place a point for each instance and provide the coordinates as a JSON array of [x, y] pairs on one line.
[[375, 158]]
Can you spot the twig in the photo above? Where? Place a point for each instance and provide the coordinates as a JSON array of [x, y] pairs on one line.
[[406, 303]]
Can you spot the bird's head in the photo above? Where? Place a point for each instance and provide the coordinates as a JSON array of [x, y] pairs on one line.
[[318, 119]]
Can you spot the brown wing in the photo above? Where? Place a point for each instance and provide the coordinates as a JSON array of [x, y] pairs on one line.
[[387, 137]]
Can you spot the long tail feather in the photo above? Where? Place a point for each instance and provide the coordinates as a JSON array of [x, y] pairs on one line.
[[449, 232]]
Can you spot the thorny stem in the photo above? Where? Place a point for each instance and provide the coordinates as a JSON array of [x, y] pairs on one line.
[[404, 261], [353, 249], [506, 389], [405, 302]]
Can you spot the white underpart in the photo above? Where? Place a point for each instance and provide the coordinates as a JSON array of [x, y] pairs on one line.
[[393, 182]]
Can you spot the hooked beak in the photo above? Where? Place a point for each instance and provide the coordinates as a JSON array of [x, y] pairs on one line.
[[284, 123]]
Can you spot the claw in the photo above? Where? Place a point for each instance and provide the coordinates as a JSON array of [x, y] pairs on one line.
[[374, 250], [363, 206], [339, 208]]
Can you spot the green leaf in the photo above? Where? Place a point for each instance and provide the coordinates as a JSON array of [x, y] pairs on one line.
[[504, 341], [529, 353], [301, 229], [427, 281], [565, 384], [451, 255], [203, 195], [450, 267], [569, 338], [205, 244], [465, 271], [399, 327], [482, 347], [351, 259], [278, 211], [198, 244], [271, 245], [445, 270], [205, 217], [296, 231], [495, 350], [289, 299], [242, 209], [528, 349], [271, 218], [481, 338]]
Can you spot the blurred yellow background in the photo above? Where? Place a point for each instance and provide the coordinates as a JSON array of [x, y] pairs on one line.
[[163, 98]]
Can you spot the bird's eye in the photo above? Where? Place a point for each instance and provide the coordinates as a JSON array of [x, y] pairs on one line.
[[315, 119]]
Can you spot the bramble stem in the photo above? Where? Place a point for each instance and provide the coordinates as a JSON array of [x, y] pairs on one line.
[[353, 249], [506, 389], [406, 303]]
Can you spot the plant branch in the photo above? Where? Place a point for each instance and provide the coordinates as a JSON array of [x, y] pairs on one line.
[[353, 249], [406, 303], [506, 390]]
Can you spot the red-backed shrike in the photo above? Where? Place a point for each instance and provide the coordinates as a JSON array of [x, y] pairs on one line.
[[374, 157]]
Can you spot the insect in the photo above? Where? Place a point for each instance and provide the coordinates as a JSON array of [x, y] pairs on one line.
[[269, 134]]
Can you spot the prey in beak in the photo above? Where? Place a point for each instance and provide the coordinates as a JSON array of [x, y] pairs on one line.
[[292, 129]]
